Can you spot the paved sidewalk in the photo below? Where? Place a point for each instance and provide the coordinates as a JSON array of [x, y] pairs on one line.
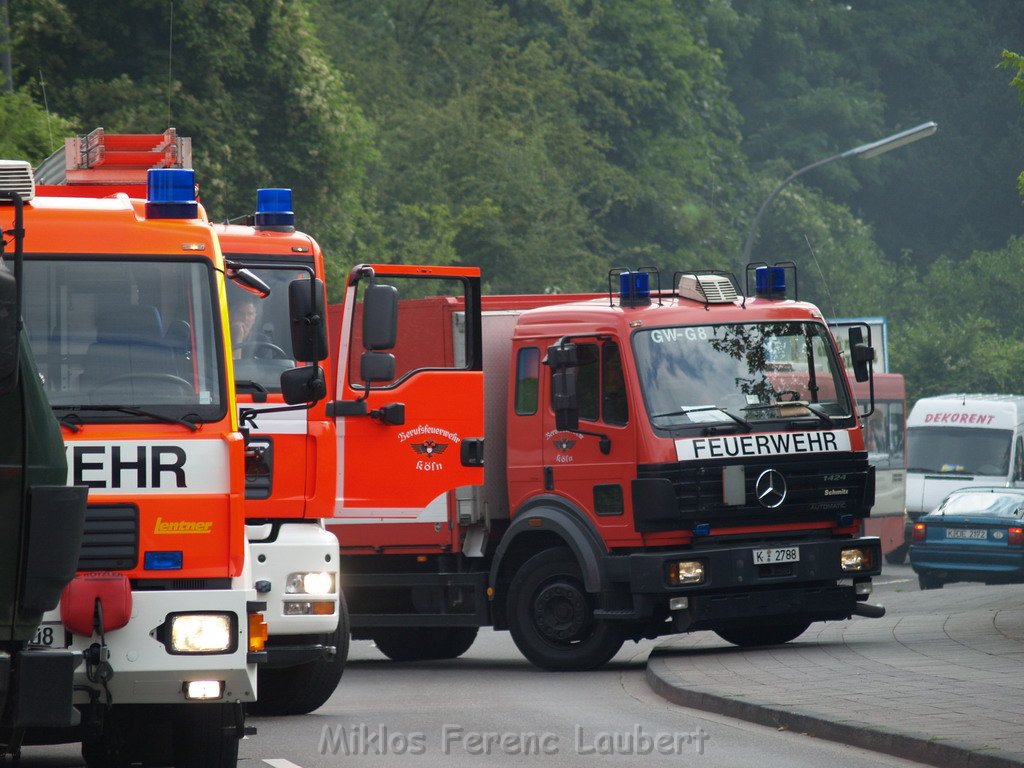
[[938, 680]]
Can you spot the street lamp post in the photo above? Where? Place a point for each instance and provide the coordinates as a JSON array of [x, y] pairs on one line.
[[864, 151]]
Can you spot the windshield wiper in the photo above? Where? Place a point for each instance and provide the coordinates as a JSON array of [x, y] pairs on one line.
[[686, 411], [811, 407], [129, 409], [818, 411], [255, 386]]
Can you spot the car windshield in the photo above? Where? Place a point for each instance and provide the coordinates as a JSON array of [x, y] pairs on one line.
[[740, 373], [260, 330], [959, 450], [126, 336], [983, 504]]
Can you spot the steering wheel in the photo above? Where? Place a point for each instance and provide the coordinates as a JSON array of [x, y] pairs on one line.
[[160, 380], [252, 348]]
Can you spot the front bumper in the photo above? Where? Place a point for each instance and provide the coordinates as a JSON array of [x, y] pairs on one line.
[[145, 672], [737, 590], [280, 549]]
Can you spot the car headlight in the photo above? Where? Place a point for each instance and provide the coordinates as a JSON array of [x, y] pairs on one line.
[[315, 583], [686, 572], [855, 559], [201, 633]]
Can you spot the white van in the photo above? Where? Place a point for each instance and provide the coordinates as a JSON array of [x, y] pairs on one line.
[[955, 441]]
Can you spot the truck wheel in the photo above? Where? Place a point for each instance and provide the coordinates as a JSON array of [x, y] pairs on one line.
[[424, 643], [770, 634], [929, 581], [897, 556], [207, 735], [551, 616], [301, 689], [129, 734]]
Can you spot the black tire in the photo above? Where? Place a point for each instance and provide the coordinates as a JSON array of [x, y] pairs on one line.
[[763, 634], [301, 689], [207, 735], [130, 734], [423, 643], [898, 556], [929, 581], [551, 615]]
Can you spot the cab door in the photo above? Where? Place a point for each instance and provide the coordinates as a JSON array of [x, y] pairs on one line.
[[409, 409]]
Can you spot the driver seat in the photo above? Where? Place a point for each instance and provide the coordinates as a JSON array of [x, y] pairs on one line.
[[129, 341]]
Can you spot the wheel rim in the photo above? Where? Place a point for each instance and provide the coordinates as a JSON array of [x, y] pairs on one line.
[[561, 612]]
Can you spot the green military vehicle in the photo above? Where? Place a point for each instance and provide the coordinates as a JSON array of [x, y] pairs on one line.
[[41, 518]]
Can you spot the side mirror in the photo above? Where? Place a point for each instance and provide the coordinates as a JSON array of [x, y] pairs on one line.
[[8, 331], [308, 320], [861, 355], [380, 317], [377, 366], [247, 280], [303, 385]]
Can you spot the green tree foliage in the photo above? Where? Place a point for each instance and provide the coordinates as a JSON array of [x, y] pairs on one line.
[[547, 141], [246, 79], [559, 139], [812, 77], [26, 130], [966, 334]]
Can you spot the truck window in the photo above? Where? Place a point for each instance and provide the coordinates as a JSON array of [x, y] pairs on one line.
[[430, 311], [692, 375], [527, 380], [601, 385], [613, 391], [261, 340], [125, 332], [959, 450]]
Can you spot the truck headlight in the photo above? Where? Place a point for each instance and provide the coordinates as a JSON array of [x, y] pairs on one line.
[[855, 559], [686, 572], [314, 583], [201, 633]]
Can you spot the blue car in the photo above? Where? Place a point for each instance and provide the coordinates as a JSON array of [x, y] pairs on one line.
[[975, 534]]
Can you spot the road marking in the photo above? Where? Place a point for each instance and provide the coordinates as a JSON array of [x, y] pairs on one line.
[[278, 763], [894, 581]]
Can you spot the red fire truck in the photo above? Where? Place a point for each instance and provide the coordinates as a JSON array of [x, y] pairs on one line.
[[126, 314], [289, 450], [289, 466], [657, 461]]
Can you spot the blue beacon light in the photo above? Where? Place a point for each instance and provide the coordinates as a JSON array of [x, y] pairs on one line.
[[171, 193], [770, 282], [634, 289], [274, 209]]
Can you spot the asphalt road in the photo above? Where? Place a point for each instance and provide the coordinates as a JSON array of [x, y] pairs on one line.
[[491, 705]]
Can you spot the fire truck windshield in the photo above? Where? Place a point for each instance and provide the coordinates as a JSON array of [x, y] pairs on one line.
[[132, 332], [740, 374]]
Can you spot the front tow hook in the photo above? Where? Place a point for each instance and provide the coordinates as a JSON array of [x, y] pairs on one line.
[[869, 611]]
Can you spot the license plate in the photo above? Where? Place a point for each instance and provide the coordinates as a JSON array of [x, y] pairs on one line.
[[966, 533], [49, 635], [776, 555]]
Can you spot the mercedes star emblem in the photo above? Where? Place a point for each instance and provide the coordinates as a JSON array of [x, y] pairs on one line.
[[770, 488]]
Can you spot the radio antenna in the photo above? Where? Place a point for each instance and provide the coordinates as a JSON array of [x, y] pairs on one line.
[[823, 280], [170, 62], [46, 106]]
